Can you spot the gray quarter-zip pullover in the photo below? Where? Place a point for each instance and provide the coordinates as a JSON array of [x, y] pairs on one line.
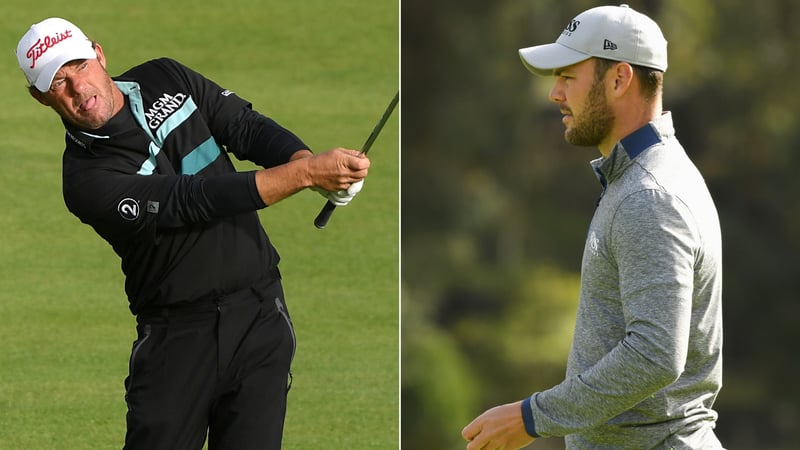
[[646, 360]]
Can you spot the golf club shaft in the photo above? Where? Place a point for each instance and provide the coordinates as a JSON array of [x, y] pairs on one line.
[[325, 213]]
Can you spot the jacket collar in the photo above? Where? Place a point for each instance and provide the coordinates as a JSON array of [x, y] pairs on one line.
[[632, 146]]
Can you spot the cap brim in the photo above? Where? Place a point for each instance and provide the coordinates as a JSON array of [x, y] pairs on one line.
[[542, 59], [48, 72]]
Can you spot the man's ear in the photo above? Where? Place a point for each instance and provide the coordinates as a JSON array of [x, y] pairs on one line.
[[623, 78], [101, 57], [38, 95]]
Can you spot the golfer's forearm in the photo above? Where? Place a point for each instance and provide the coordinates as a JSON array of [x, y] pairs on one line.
[[277, 183], [301, 154], [241, 192]]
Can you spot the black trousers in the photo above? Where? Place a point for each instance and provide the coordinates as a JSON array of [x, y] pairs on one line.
[[220, 368]]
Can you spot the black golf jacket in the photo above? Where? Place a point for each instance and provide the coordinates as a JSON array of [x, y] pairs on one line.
[[157, 183]]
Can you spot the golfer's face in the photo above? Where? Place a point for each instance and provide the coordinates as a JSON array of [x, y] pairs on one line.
[[82, 93], [581, 98]]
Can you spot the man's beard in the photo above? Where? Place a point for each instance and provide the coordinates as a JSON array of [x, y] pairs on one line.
[[595, 122]]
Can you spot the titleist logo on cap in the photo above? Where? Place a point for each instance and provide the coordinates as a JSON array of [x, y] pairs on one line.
[[44, 44]]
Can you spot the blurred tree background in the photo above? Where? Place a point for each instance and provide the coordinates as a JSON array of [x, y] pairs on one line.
[[495, 206]]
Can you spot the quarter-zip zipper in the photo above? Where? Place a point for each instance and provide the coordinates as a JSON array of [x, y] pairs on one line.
[[603, 182]]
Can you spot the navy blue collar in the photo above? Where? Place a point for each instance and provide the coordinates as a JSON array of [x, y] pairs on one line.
[[640, 140]]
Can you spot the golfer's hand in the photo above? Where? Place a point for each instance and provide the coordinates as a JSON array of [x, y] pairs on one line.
[[500, 428], [337, 169]]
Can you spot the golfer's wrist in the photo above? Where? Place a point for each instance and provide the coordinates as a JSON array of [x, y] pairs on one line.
[[527, 418]]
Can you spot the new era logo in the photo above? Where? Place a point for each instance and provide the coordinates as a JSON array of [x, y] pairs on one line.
[[608, 45]]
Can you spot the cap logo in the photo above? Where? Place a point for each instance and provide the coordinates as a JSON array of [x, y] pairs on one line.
[[608, 45], [44, 44], [571, 27]]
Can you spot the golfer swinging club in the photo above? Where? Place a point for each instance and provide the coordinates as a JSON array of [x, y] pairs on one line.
[[646, 360], [146, 165]]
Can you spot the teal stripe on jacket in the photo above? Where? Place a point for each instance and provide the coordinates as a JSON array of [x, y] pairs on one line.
[[201, 157]]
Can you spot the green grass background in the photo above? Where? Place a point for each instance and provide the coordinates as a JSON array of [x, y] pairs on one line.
[[326, 70]]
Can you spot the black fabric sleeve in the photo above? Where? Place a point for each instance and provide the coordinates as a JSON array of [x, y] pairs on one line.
[[197, 199], [120, 206], [257, 138], [246, 133]]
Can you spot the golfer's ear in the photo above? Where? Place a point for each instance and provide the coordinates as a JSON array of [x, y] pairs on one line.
[[101, 57], [623, 77], [39, 96]]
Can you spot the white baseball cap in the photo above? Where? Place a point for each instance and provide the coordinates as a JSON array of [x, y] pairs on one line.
[[612, 32], [47, 46]]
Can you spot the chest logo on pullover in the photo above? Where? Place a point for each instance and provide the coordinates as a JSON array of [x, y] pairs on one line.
[[593, 244], [163, 107]]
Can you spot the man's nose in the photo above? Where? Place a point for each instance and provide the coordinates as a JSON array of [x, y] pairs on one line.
[[557, 91]]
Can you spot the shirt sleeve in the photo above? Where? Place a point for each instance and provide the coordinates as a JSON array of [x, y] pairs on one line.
[[246, 133], [132, 207], [653, 241], [257, 138]]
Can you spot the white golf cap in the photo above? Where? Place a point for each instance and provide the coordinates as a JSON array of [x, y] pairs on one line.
[[612, 32], [47, 46]]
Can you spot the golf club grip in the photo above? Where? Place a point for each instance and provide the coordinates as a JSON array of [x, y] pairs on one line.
[[324, 215]]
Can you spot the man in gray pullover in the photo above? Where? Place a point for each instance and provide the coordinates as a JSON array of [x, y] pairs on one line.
[[646, 360]]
